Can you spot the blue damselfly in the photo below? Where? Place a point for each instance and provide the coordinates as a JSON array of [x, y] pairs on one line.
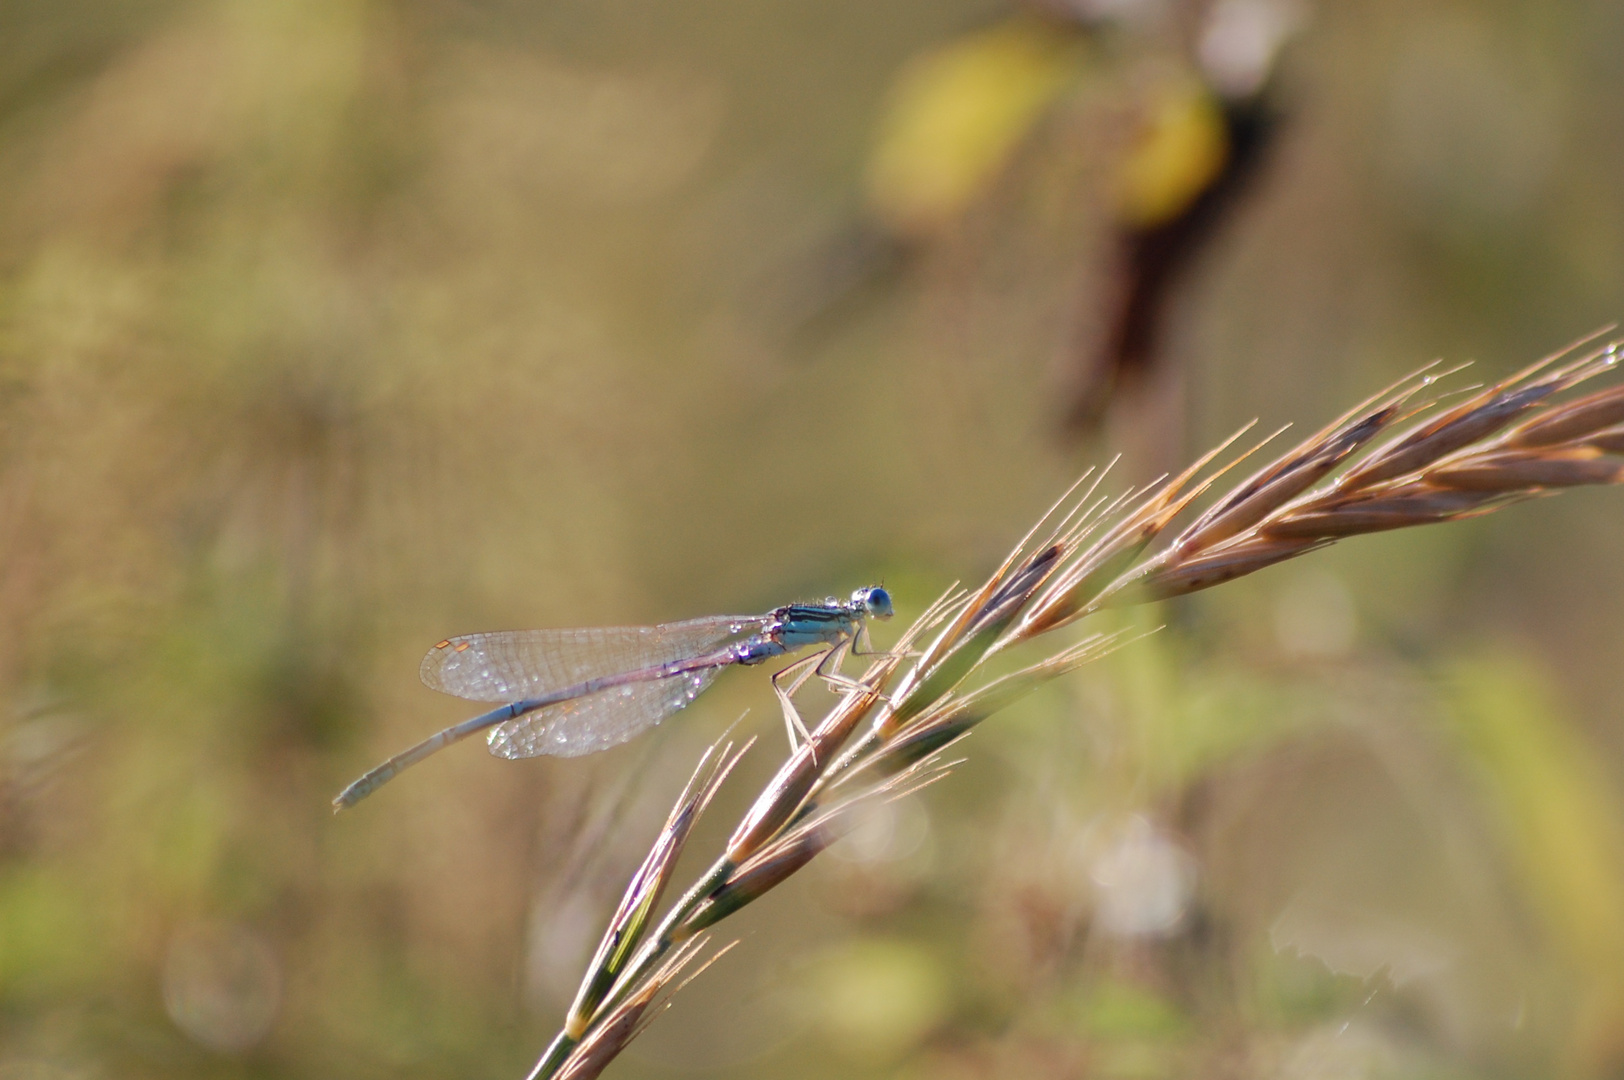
[[578, 691]]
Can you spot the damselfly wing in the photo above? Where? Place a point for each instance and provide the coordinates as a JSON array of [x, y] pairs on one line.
[[511, 664]]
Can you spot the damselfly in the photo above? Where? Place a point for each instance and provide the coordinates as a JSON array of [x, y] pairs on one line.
[[574, 692]]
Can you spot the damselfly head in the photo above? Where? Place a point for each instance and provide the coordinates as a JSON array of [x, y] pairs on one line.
[[873, 601]]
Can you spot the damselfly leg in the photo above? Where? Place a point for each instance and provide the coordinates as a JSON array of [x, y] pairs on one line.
[[800, 671]]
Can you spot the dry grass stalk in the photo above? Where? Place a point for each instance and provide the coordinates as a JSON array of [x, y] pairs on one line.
[[648, 884], [1507, 442]]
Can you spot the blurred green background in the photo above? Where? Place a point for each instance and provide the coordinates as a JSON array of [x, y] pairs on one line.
[[332, 327]]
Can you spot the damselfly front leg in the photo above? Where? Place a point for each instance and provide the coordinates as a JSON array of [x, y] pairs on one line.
[[862, 635], [828, 668], [852, 647]]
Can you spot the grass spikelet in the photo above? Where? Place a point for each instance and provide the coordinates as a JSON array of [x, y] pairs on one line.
[[1079, 589], [1505, 443], [1478, 416], [587, 1058], [1591, 413]]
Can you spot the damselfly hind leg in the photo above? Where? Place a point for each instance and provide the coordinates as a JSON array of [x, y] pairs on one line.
[[799, 671]]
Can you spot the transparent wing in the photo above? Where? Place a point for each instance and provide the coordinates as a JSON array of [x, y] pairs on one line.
[[513, 664], [598, 721]]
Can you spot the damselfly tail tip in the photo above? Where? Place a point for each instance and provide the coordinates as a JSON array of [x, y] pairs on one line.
[[352, 795]]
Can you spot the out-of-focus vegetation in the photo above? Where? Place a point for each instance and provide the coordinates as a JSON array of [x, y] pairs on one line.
[[328, 329]]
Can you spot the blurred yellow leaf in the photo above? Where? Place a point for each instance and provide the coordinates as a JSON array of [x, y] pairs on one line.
[[1178, 154], [958, 113]]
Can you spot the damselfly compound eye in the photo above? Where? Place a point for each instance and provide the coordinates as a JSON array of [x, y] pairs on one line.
[[877, 602]]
